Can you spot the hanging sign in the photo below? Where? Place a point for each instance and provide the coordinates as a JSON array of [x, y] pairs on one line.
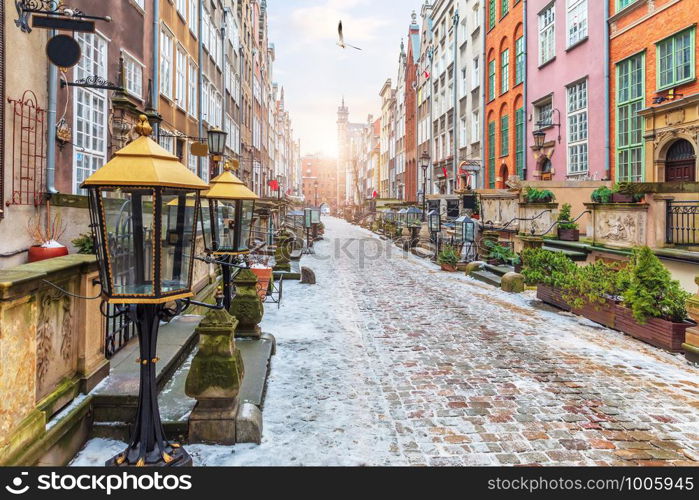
[[63, 51], [63, 23]]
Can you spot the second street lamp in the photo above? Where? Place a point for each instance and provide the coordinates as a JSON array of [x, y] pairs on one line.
[[216, 139], [227, 214], [143, 211], [424, 164]]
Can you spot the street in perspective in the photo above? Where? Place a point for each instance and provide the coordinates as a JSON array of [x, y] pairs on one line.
[[460, 235]]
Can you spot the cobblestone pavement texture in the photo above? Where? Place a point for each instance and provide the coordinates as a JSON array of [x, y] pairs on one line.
[[390, 361]]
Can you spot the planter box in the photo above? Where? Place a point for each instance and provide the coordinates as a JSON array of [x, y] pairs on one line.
[[622, 198], [551, 296], [448, 268], [658, 332], [569, 234]]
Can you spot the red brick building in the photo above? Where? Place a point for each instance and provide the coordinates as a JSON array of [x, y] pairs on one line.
[[654, 93], [411, 68], [321, 172], [504, 86]]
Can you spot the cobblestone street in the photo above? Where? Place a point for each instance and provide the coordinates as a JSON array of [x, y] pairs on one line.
[[389, 361]]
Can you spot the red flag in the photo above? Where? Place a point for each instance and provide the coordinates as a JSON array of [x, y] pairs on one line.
[[444, 169], [274, 185], [427, 74], [375, 195]]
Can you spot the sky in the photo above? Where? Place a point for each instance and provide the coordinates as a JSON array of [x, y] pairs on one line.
[[316, 73]]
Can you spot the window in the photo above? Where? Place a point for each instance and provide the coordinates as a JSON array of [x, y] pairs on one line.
[[630, 100], [181, 79], [140, 3], [212, 105], [182, 8], [133, 74], [205, 100], [491, 154], [519, 60], [504, 135], [505, 71], [192, 160], [577, 128], [675, 56], [519, 142], [491, 14], [577, 21], [491, 80], [90, 111], [193, 80], [167, 141], [622, 4], [547, 40], [194, 17], [544, 114], [165, 64], [463, 134], [504, 7], [205, 30], [475, 127], [475, 74]]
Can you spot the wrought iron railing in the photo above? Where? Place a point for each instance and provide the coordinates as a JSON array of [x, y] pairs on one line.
[[682, 223]]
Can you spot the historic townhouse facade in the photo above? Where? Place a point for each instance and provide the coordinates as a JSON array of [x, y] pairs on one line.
[[654, 90], [505, 75], [564, 75], [424, 102], [412, 68], [399, 117]]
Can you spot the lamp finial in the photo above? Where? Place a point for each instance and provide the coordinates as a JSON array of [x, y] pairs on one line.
[[143, 128], [231, 166]]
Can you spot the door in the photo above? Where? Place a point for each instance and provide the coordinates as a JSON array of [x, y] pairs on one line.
[[680, 164]]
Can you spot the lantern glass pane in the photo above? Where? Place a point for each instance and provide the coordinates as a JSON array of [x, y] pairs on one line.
[[224, 226], [178, 209], [247, 209], [128, 229], [315, 216], [205, 224]]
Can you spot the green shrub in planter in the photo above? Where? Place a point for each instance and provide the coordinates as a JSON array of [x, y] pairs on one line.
[[85, 244], [533, 195], [448, 256], [602, 195], [501, 253], [546, 267], [565, 220], [652, 293]]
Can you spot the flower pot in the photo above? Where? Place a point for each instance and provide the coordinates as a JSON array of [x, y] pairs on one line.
[[38, 253], [448, 268], [568, 234], [476, 216], [622, 198], [264, 276], [657, 332]]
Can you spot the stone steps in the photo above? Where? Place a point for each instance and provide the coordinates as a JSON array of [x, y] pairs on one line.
[[487, 276], [575, 255]]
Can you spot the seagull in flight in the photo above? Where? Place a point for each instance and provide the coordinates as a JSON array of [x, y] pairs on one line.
[[341, 41]]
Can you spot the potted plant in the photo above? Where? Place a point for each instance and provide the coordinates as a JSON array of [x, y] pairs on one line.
[[264, 272], [567, 229], [602, 195], [46, 235], [85, 244], [617, 194], [476, 214], [533, 195], [448, 258], [501, 254]]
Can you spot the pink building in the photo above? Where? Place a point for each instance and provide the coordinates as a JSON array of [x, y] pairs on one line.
[[567, 98]]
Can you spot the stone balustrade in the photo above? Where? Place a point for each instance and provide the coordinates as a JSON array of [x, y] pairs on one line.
[[51, 345]]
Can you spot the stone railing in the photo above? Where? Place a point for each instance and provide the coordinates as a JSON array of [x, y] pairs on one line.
[[51, 345]]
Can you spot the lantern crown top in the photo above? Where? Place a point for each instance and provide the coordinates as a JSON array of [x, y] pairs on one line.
[[228, 187], [144, 162], [231, 166], [143, 127]]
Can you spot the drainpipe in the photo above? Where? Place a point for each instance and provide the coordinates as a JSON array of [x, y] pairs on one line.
[[483, 97], [224, 63], [200, 76], [525, 106], [51, 126], [155, 96], [607, 87]]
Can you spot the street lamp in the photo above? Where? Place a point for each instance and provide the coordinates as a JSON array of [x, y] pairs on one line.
[[143, 212], [539, 138], [465, 229], [434, 224], [227, 222], [424, 164], [315, 186], [216, 139]]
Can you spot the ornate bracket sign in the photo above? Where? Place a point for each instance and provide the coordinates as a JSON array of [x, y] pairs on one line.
[[54, 14], [92, 82]]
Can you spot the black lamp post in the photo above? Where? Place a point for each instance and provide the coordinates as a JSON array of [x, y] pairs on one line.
[[226, 219], [424, 164], [143, 211], [315, 187]]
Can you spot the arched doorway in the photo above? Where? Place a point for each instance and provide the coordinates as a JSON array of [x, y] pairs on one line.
[[680, 162], [504, 176]]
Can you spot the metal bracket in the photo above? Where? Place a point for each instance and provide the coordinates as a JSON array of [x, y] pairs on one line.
[[55, 8], [92, 82]]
